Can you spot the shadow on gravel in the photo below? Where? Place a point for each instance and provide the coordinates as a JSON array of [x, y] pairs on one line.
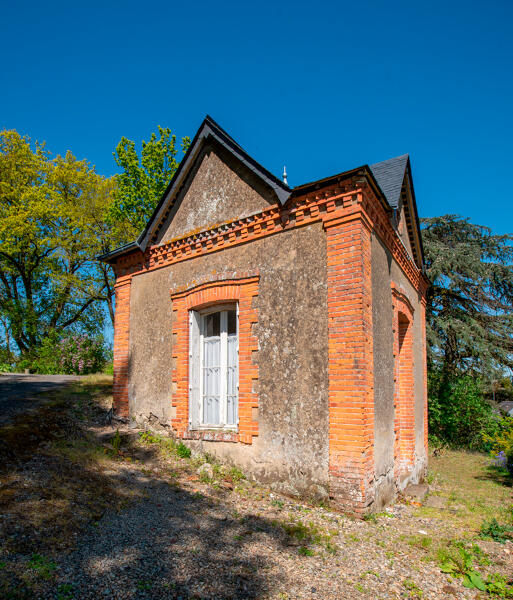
[[72, 530], [175, 545]]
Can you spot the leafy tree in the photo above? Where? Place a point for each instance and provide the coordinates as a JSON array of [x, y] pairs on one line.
[[469, 310], [143, 180], [51, 216]]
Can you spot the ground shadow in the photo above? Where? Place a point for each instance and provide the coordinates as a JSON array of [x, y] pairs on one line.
[[128, 533]]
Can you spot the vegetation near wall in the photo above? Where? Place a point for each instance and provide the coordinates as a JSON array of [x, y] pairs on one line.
[[469, 330]]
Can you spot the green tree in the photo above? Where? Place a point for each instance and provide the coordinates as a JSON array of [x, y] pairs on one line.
[[51, 217], [144, 179], [469, 310]]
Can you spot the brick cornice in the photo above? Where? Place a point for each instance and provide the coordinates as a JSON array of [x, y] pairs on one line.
[[332, 206]]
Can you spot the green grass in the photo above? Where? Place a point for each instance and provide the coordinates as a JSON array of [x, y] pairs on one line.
[[474, 490]]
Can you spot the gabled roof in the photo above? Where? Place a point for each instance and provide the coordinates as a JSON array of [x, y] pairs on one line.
[[390, 176], [389, 179], [209, 130]]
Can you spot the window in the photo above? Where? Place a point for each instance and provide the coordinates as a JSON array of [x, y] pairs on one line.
[[213, 370]]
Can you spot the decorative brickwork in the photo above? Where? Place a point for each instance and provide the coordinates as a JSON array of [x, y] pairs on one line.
[[242, 291], [404, 393], [300, 211], [121, 347], [351, 394]]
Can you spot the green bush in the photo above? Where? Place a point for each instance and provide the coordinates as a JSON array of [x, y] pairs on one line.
[[500, 445], [459, 414], [69, 354]]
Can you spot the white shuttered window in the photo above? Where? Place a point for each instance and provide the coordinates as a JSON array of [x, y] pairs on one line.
[[214, 366]]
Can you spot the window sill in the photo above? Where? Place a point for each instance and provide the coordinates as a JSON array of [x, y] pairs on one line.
[[212, 435]]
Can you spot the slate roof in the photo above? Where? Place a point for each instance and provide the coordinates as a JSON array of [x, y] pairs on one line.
[[388, 175]]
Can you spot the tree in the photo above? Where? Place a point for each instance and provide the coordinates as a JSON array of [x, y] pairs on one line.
[[143, 180], [51, 216], [469, 314]]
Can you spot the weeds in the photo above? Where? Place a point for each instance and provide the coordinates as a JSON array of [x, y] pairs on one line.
[[44, 567], [494, 530], [65, 592], [458, 562], [412, 588], [183, 451]]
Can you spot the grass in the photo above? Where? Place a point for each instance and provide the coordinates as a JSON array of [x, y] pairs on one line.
[[475, 491]]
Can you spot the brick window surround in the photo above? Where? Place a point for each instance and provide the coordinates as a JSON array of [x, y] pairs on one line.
[[404, 393], [242, 291]]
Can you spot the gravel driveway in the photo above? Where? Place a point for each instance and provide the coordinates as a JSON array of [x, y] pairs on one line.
[[19, 392]]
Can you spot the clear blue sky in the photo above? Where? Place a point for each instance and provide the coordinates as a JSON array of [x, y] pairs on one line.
[[321, 86]]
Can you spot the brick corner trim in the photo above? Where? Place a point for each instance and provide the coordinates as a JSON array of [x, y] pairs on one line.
[[243, 291], [404, 398], [121, 346]]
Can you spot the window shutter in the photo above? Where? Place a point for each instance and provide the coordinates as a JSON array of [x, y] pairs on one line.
[[194, 369]]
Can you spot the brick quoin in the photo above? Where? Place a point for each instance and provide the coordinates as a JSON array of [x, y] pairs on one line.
[[351, 383], [243, 291], [121, 346]]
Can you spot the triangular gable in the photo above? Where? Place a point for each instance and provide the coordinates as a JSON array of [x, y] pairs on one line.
[[208, 131]]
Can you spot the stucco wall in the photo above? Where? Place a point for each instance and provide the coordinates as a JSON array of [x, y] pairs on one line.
[[214, 194], [291, 450], [384, 271], [383, 353]]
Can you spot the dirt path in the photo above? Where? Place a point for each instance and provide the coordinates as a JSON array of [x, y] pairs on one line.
[[97, 514], [19, 392]]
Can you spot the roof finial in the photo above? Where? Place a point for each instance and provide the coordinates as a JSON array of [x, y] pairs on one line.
[[285, 176]]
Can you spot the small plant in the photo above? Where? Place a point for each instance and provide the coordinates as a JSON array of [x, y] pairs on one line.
[[116, 442], [305, 551], [44, 567], [65, 592], [144, 585], [413, 589], [421, 541], [371, 517], [236, 474], [183, 451], [278, 503], [496, 585], [458, 562], [497, 532]]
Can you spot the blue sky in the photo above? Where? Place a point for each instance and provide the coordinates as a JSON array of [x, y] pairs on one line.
[[321, 87]]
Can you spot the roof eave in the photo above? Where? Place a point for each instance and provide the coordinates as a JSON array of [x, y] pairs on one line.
[[108, 257]]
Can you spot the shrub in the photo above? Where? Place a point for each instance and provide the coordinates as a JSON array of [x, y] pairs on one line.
[[459, 414], [501, 445], [70, 354]]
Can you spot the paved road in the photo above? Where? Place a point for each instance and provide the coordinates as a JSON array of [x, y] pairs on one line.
[[19, 392]]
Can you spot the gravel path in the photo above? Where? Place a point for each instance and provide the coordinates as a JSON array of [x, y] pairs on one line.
[[85, 518], [19, 392]]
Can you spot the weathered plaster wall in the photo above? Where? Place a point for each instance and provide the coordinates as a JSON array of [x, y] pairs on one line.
[[384, 271], [214, 194], [150, 349], [291, 450], [383, 372]]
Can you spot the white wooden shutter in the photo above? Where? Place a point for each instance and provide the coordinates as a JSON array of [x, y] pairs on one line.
[[194, 369]]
